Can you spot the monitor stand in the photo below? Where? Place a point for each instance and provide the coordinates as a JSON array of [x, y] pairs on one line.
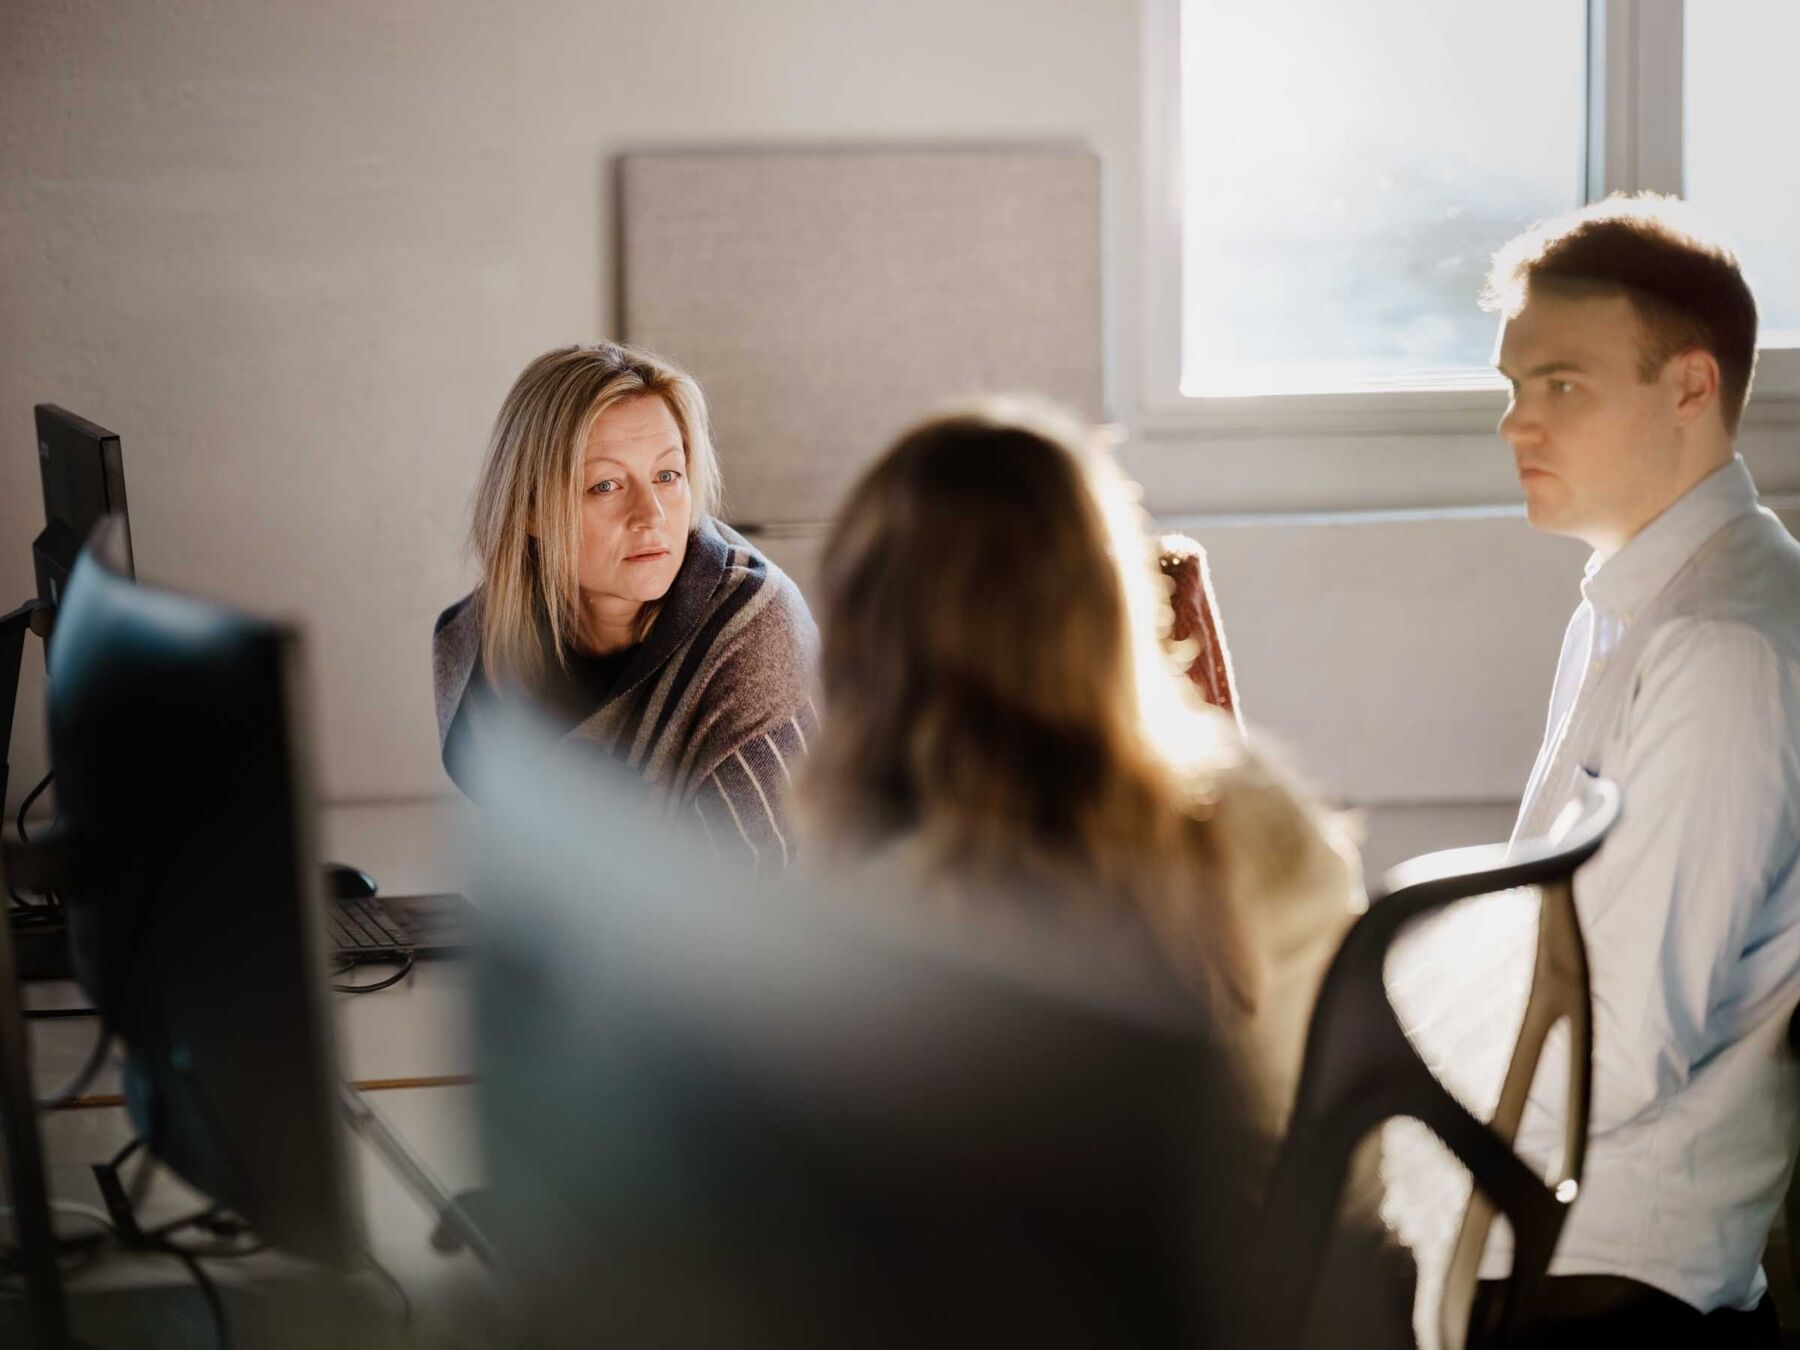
[[40, 948], [36, 616], [24, 1155]]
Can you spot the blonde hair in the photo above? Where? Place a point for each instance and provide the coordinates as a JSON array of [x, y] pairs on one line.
[[527, 515], [998, 707]]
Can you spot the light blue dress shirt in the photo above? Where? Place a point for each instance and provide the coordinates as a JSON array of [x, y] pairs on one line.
[[1680, 679]]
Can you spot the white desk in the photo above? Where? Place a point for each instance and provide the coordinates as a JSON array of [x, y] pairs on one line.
[[410, 1044]]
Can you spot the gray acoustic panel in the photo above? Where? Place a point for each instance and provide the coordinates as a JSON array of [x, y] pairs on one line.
[[826, 298]]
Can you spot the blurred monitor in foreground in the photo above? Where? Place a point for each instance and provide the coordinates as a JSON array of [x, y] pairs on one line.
[[719, 1114], [175, 735]]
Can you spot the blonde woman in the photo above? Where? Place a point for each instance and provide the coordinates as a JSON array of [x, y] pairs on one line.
[[1003, 727], [613, 599]]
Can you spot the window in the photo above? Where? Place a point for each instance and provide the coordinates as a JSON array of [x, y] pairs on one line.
[[1346, 179], [1740, 168], [1330, 182]]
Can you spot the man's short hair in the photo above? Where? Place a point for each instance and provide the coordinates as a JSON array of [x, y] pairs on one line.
[[1686, 288]]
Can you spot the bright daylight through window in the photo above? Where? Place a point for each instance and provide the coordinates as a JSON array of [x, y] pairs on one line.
[[1349, 170]]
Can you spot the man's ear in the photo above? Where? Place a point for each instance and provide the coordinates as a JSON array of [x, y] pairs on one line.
[[1696, 380]]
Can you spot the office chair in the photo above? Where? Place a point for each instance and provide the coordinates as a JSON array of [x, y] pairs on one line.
[[1360, 1069]]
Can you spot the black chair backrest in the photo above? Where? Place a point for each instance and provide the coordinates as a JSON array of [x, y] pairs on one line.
[[1360, 1070]]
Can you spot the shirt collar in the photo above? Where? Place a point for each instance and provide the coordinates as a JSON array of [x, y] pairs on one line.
[[1627, 581]]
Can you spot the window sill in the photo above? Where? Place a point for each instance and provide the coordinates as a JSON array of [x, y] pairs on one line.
[[1305, 416], [1326, 459], [1772, 410], [1774, 403]]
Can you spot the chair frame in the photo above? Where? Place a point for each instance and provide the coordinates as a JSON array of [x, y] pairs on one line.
[[1360, 1070]]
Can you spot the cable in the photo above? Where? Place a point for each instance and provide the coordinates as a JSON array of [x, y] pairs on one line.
[[406, 1307], [406, 965], [213, 1219], [162, 1231], [19, 901], [69, 1095], [122, 1200], [139, 1185], [208, 1290], [221, 1251], [122, 1203], [122, 1222], [20, 905], [24, 806]]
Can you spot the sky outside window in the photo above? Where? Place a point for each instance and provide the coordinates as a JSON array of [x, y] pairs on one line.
[[1349, 172]]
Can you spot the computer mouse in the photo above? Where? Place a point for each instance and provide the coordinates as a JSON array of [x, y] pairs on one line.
[[344, 882]]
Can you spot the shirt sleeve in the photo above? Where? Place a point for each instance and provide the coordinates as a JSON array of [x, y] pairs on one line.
[[742, 803], [1708, 778]]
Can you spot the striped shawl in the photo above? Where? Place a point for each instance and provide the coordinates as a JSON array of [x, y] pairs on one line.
[[714, 709]]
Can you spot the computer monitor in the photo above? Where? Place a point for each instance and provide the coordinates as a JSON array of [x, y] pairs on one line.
[[723, 1112], [184, 806], [83, 477]]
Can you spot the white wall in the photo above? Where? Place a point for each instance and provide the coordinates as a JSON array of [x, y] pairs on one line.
[[295, 252]]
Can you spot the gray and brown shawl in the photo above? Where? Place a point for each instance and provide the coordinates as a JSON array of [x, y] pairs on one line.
[[714, 709]]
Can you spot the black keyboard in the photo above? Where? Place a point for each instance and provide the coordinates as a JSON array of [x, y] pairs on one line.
[[357, 926]]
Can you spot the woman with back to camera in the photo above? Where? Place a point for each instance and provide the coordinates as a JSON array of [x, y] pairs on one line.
[[614, 600], [1005, 738], [1003, 727]]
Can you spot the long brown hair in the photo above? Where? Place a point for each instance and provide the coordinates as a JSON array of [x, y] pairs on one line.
[[527, 515], [990, 670]]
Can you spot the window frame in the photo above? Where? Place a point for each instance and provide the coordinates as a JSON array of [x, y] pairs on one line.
[[1634, 143]]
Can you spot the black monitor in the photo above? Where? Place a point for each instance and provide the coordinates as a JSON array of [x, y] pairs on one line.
[[184, 808], [83, 476], [717, 1112]]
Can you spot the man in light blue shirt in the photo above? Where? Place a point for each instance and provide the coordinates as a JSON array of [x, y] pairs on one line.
[[1628, 342]]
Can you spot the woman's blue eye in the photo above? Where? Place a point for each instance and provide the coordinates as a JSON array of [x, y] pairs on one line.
[[605, 486], [668, 476]]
